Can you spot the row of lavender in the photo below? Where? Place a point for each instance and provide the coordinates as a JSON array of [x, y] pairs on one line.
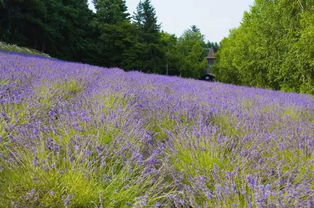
[[74, 135]]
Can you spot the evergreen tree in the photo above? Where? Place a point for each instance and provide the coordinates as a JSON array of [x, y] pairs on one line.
[[22, 22], [146, 54], [70, 31], [195, 29], [77, 34], [114, 32], [59, 28], [145, 18], [213, 45], [111, 11]]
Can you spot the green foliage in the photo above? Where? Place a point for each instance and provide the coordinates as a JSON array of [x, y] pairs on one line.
[[45, 178], [48, 26], [114, 41], [160, 128], [169, 46], [114, 33], [228, 125], [81, 184], [273, 47], [111, 11], [63, 90], [213, 45], [192, 53], [145, 18], [124, 44], [199, 161], [146, 52], [70, 31]]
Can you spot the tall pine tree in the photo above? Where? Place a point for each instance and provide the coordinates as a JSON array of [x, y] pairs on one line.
[[114, 32], [57, 27], [145, 17], [111, 11], [146, 55]]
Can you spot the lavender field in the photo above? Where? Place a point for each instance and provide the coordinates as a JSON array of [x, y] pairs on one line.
[[75, 135]]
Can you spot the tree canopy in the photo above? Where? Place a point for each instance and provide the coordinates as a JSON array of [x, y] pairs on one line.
[[191, 49], [47, 25], [273, 47], [109, 37]]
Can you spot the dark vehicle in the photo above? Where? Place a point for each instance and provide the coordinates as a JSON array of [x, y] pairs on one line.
[[208, 77]]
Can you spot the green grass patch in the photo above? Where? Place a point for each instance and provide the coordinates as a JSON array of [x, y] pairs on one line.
[[213, 161], [15, 48], [4, 82], [228, 125], [55, 181], [113, 101], [161, 126], [64, 90], [199, 158], [296, 114]]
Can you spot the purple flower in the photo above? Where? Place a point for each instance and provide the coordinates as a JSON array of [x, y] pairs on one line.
[[138, 157], [67, 200], [36, 162], [251, 180], [151, 161], [30, 195], [223, 141]]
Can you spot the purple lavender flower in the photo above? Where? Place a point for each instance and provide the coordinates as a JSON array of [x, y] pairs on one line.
[[36, 162], [219, 142], [67, 200], [252, 181]]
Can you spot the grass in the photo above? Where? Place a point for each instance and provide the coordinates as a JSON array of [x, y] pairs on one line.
[[208, 158], [50, 186], [52, 178], [15, 48], [42, 178]]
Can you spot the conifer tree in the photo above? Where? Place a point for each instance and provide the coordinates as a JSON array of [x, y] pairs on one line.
[[57, 27], [111, 11], [145, 17], [114, 32], [146, 54]]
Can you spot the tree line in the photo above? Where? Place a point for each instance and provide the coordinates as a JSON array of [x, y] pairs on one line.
[[273, 47], [111, 37]]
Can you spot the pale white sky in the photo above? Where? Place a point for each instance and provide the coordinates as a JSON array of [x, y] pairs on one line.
[[214, 17]]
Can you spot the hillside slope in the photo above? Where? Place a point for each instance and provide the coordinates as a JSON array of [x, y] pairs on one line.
[[18, 49], [74, 135]]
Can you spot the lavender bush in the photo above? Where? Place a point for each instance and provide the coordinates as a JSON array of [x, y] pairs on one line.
[[75, 135]]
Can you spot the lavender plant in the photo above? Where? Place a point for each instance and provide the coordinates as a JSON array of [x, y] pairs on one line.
[[75, 135]]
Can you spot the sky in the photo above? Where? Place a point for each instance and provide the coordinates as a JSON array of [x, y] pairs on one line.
[[214, 17]]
